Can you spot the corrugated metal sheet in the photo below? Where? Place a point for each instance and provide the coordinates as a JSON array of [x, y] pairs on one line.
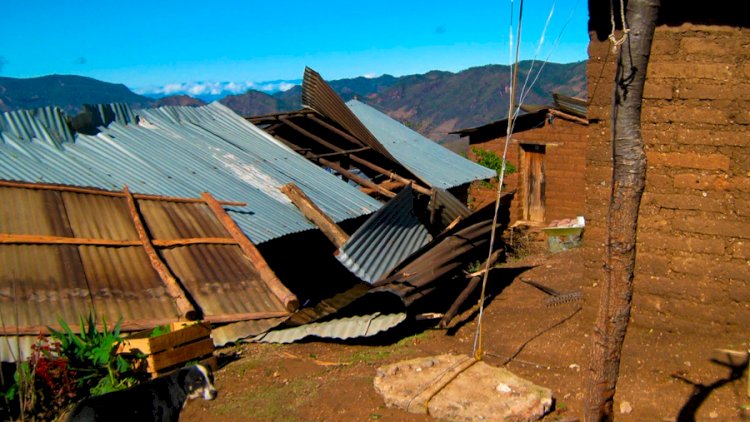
[[389, 236], [447, 254], [182, 151], [319, 96], [572, 105], [444, 208], [432, 163], [42, 283], [342, 329]]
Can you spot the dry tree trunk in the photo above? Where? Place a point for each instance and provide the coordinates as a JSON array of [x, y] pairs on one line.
[[628, 181]]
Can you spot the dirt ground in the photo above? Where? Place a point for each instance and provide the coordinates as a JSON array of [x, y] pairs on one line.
[[667, 373]]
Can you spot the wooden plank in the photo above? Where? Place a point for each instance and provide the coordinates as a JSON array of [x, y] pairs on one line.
[[94, 191], [173, 287], [287, 298], [180, 355], [141, 343], [218, 319], [313, 213]]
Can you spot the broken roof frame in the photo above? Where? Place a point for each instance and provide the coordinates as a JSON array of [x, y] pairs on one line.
[[339, 135], [173, 244]]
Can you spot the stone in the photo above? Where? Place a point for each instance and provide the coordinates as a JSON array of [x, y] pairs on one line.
[[459, 388], [626, 407]]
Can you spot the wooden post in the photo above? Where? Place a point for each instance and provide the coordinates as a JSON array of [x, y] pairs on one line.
[[173, 287], [287, 298], [473, 283], [313, 213]]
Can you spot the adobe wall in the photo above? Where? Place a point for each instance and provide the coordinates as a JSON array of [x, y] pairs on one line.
[[564, 164], [694, 225]]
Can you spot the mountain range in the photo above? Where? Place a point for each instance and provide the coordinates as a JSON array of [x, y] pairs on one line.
[[434, 103]]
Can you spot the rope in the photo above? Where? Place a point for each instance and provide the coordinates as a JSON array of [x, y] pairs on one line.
[[625, 30], [478, 335]]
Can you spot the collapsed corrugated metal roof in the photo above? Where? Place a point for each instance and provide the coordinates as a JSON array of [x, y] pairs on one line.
[[415, 277], [67, 252], [389, 236], [432, 163], [319, 96], [178, 151]]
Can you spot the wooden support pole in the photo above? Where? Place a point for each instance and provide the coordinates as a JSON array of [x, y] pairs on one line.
[[287, 298], [173, 287], [93, 191], [313, 213], [473, 283]]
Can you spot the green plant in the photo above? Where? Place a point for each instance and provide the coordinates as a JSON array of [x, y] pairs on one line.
[[92, 354], [160, 330], [491, 160]]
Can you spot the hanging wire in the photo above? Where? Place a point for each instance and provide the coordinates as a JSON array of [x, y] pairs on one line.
[[513, 111], [478, 335]]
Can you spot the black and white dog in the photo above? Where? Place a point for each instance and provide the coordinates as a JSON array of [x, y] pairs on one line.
[[160, 399]]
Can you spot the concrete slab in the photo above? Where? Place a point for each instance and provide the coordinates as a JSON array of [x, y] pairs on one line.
[[459, 388]]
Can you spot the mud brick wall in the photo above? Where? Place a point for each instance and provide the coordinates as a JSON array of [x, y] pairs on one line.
[[564, 164], [694, 224]]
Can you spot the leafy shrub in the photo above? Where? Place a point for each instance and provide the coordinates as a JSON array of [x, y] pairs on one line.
[[66, 366], [92, 355], [491, 160]]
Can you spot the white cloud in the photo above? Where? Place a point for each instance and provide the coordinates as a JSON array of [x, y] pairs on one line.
[[214, 88], [370, 75]]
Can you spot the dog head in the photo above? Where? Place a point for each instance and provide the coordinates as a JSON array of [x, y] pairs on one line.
[[197, 380]]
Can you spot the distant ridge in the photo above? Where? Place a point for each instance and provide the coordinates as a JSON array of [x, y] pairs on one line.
[[434, 103], [68, 92], [437, 102]]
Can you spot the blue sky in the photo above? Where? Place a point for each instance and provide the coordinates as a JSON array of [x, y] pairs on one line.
[[156, 43]]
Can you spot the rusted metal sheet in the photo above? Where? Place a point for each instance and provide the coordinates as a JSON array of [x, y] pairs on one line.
[[447, 254], [318, 95], [43, 283]]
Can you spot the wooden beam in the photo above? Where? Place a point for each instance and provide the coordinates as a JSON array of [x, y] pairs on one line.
[[390, 174], [567, 116], [335, 130], [174, 289], [356, 159], [287, 298], [357, 179], [94, 191], [31, 239], [224, 318], [337, 153], [313, 213]]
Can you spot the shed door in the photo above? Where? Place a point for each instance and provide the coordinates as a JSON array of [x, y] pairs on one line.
[[533, 176]]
